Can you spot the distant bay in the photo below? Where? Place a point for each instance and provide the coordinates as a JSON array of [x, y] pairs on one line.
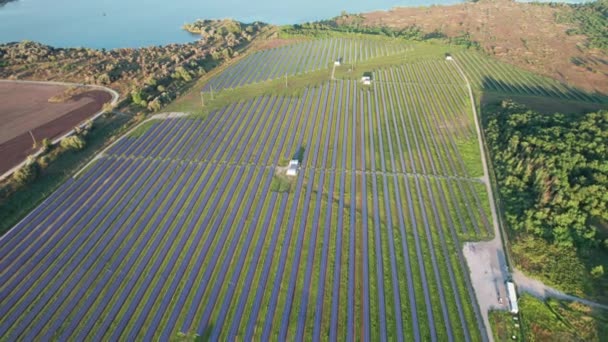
[[136, 23]]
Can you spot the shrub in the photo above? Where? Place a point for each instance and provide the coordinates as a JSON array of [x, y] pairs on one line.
[[44, 161], [26, 173], [74, 142], [597, 271], [45, 145]]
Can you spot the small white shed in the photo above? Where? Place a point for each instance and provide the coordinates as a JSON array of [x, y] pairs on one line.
[[292, 168], [449, 58], [366, 80], [338, 62]]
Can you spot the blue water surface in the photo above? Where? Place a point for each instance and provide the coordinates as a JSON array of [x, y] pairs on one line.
[[135, 23]]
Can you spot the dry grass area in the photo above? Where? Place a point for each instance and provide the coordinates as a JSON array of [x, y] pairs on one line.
[[273, 42], [522, 34]]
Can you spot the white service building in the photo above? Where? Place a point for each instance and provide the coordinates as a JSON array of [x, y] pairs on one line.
[[292, 168], [512, 298]]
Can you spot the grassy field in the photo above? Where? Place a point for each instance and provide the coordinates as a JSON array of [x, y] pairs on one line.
[[186, 227]]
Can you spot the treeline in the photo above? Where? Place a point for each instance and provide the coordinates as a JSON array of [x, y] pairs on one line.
[[348, 23], [591, 19], [226, 29], [552, 172]]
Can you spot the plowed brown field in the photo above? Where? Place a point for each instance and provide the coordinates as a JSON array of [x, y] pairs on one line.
[[25, 108]]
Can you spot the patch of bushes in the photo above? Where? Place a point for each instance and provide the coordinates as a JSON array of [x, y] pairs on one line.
[[74, 142], [26, 173]]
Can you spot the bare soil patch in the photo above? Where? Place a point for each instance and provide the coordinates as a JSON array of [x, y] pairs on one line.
[[522, 34], [25, 107]]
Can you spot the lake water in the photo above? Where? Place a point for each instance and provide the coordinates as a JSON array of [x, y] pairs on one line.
[[136, 23]]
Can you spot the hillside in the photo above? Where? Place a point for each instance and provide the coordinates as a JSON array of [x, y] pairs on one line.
[[532, 36]]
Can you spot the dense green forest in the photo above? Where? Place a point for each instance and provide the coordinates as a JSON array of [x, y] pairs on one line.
[[552, 173]]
